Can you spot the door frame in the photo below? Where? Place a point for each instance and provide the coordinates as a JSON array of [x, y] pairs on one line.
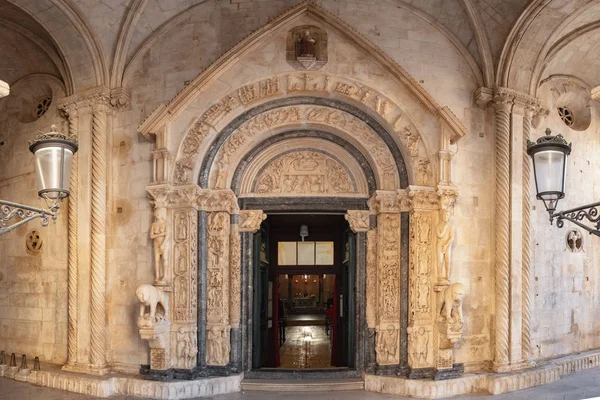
[[362, 345]]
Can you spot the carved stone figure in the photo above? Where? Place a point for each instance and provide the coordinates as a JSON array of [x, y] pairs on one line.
[[158, 233], [418, 347], [183, 347], [306, 45], [218, 346], [358, 220], [451, 309], [445, 235], [149, 296], [387, 346], [250, 220]]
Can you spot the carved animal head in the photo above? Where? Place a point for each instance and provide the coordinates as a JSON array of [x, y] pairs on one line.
[[457, 292], [143, 293]]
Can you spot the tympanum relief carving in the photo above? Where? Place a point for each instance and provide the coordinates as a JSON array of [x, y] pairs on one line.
[[304, 172]]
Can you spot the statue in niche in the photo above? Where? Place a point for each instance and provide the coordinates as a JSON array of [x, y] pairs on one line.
[[182, 227], [158, 233], [445, 235], [306, 46]]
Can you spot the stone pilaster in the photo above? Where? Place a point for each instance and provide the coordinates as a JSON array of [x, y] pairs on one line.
[[386, 301], [421, 279]]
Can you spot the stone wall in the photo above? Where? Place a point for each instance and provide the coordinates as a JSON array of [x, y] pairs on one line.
[[33, 284], [566, 284]]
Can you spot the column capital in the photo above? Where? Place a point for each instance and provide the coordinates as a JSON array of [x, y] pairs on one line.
[[423, 198], [193, 196], [83, 102]]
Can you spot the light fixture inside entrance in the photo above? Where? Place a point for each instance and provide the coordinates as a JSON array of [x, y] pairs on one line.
[[303, 232]]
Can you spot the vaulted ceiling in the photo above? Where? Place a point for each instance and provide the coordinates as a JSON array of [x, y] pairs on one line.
[[513, 43]]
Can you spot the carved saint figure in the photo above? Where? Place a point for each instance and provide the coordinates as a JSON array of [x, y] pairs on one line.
[[218, 347], [422, 338], [387, 345], [183, 347], [445, 235], [306, 45], [158, 233]]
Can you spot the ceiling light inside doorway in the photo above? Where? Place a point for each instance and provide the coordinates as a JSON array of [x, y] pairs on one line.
[[303, 232]]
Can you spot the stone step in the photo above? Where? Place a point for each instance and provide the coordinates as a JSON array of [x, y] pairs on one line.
[[301, 385]]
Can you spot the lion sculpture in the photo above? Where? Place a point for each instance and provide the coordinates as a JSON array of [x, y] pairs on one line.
[[149, 296]]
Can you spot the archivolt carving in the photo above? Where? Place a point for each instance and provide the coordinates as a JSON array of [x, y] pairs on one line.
[[248, 135], [318, 83], [305, 172]]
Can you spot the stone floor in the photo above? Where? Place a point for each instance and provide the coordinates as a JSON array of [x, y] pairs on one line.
[[579, 386], [305, 347]]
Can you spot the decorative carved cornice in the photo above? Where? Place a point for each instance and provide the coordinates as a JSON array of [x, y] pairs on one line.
[[250, 220], [359, 220], [118, 98], [423, 198], [384, 202], [193, 196], [447, 195]]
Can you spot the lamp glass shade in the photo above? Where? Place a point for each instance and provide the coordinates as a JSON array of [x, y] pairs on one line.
[[53, 170]]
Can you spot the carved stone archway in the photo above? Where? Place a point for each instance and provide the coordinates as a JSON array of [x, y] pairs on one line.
[[383, 154]]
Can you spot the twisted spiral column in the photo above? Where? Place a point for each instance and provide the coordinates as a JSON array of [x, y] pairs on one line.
[[98, 238], [73, 251], [526, 262], [502, 219]]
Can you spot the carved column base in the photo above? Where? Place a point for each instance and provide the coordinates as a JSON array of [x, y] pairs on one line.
[[11, 372], [82, 368], [513, 366], [22, 375], [449, 373]]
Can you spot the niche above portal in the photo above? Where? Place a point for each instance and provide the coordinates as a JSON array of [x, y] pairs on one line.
[[307, 47]]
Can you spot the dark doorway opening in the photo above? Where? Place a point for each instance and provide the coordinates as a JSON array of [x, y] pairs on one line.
[[304, 293]]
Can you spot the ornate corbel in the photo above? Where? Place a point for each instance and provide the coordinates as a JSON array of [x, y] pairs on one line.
[[120, 98], [250, 220], [359, 220]]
